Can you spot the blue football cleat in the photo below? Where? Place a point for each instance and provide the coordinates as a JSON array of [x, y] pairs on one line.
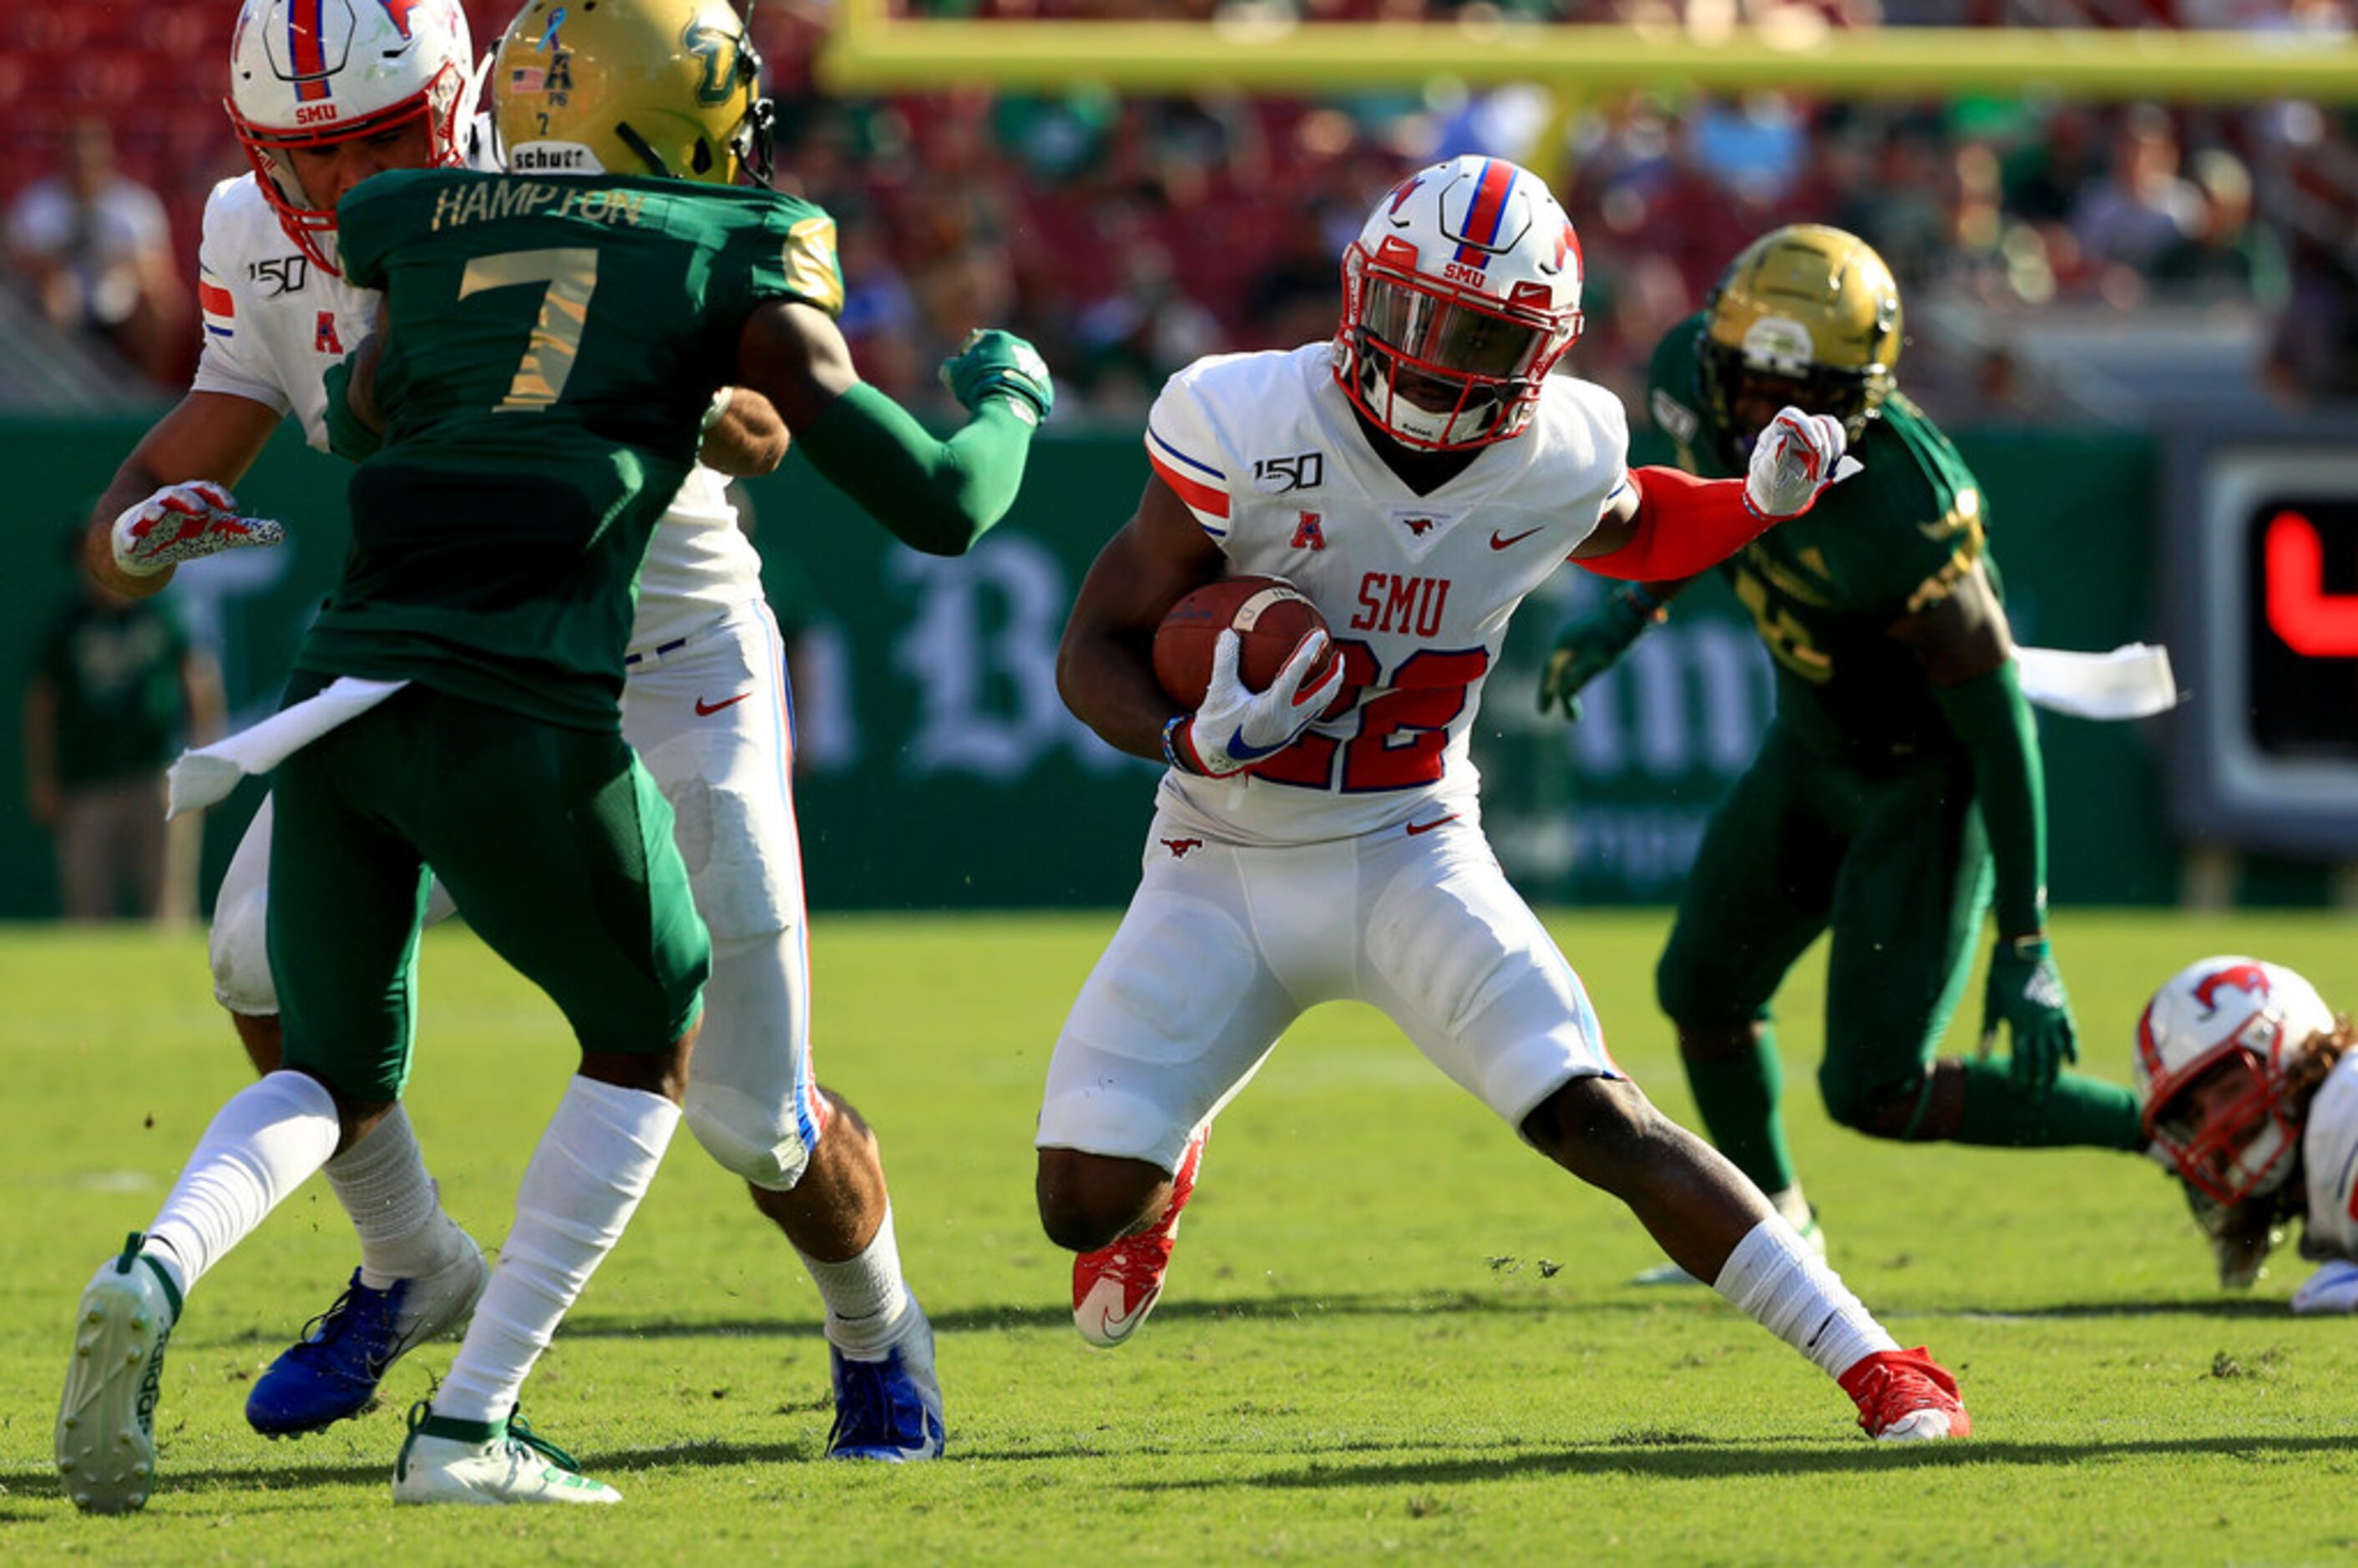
[[333, 1371], [888, 1410]]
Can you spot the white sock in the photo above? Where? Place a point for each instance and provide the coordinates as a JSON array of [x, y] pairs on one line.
[[866, 1301], [383, 1184], [1794, 1206], [260, 1145], [1778, 1281], [593, 1165]]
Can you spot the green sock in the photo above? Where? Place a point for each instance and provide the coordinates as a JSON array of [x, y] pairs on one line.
[[2076, 1113], [1738, 1096]]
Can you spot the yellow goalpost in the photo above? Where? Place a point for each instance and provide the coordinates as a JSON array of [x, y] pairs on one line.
[[872, 52]]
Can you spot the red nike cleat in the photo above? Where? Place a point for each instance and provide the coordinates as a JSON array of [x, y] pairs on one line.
[[1905, 1395], [1115, 1286]]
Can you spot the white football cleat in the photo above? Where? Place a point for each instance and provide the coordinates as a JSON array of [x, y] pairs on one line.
[[106, 1423], [487, 1463], [1115, 1286]]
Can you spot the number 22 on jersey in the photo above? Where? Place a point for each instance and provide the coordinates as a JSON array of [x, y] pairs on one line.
[[1404, 733]]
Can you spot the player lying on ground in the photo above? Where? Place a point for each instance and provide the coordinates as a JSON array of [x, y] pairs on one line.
[[1901, 776], [1415, 477], [469, 578], [2250, 1090]]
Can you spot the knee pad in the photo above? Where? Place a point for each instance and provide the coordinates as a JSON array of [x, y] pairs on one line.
[[764, 1144], [240, 953]]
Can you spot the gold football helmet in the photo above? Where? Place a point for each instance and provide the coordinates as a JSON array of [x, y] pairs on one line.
[[661, 87], [1806, 314]]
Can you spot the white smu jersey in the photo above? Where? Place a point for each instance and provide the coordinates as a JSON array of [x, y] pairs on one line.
[[274, 323], [1416, 590], [2328, 1152]]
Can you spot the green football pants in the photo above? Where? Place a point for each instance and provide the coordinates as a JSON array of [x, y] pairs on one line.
[[1894, 862], [554, 842]]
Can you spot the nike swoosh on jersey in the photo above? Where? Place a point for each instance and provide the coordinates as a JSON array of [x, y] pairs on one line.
[[703, 711], [1414, 829], [1498, 544]]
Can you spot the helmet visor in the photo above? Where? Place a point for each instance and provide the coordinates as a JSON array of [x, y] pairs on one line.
[[1441, 332]]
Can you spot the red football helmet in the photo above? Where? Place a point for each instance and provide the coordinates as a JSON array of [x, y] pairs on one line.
[[1459, 295], [309, 73]]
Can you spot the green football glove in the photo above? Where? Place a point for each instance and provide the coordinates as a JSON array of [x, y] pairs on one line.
[[1588, 645], [993, 364], [2027, 991]]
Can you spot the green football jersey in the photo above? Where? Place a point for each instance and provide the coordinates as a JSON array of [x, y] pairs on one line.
[[553, 344], [1824, 590]]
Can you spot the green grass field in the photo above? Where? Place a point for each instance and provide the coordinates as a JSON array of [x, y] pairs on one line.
[[1390, 1329]]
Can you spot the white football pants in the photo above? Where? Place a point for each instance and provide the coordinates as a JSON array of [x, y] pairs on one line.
[[1225, 945]]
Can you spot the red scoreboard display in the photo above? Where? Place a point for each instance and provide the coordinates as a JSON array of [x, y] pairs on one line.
[[2265, 566]]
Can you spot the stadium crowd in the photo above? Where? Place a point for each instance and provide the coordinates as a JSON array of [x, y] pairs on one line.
[[1128, 237]]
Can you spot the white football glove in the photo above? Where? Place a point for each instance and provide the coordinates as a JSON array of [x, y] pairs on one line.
[[1796, 457], [182, 522], [1234, 727]]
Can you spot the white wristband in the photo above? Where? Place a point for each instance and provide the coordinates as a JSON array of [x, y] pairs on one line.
[[719, 411]]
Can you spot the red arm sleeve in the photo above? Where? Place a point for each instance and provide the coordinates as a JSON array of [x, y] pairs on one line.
[[1684, 525]]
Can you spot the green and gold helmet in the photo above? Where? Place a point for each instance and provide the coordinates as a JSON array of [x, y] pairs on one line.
[[1806, 315], [661, 87]]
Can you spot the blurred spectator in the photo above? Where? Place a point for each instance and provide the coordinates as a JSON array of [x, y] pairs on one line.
[[2044, 177], [1144, 331], [2312, 355], [95, 250], [2228, 255], [1120, 230], [1903, 209], [115, 690], [880, 315], [2143, 206], [1292, 299]]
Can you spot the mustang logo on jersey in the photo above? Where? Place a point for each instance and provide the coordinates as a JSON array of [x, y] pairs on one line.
[[1419, 526], [1179, 847]]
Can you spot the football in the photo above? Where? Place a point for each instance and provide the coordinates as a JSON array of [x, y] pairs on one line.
[[1268, 613]]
